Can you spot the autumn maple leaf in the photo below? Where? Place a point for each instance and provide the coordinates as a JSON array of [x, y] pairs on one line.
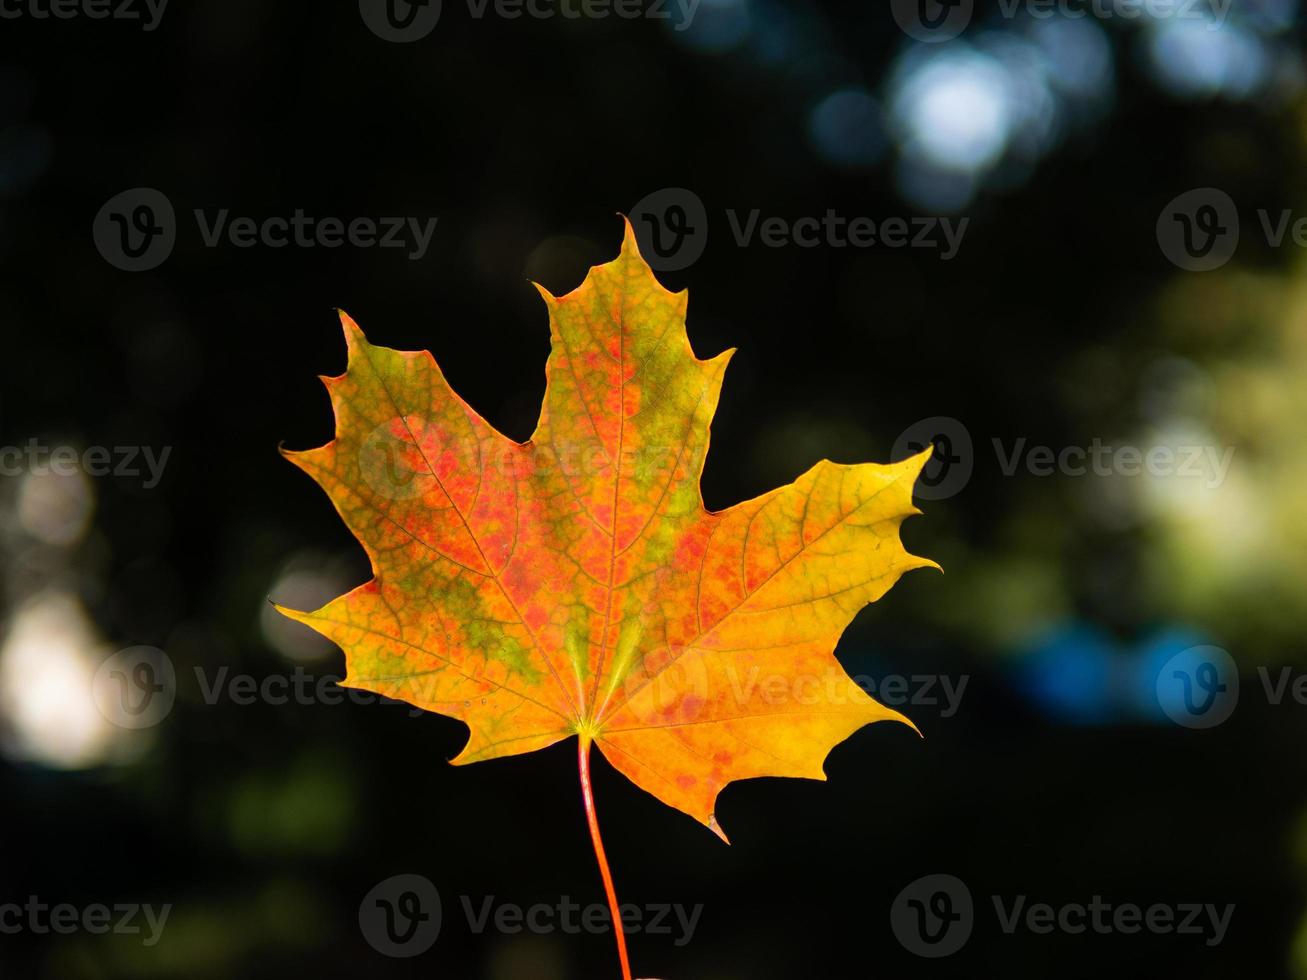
[[575, 584]]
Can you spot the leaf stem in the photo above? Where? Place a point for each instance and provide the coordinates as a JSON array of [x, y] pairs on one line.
[[587, 794]]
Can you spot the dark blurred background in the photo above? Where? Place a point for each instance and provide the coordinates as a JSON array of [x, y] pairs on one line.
[[1066, 318]]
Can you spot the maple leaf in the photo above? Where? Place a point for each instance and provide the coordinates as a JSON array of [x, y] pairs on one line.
[[575, 584]]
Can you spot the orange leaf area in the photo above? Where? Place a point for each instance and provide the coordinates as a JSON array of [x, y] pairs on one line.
[[576, 584]]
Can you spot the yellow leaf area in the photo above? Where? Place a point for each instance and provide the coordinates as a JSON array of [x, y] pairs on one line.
[[575, 584]]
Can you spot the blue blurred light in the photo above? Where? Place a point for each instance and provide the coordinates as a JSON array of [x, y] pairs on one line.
[[25, 153], [1077, 55], [953, 108], [1078, 674], [846, 129], [1032, 105], [1156, 653], [931, 189], [1270, 16], [781, 33], [1194, 60], [1070, 674], [713, 27]]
